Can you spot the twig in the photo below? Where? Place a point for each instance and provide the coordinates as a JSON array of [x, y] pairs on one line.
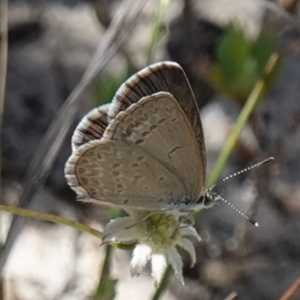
[[231, 296], [291, 291], [3, 68], [3, 56], [3, 74], [104, 18]]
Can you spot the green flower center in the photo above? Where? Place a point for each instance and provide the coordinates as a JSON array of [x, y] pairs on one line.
[[158, 230]]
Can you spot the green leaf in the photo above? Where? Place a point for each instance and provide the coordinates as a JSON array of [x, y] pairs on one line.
[[263, 47], [107, 87], [233, 51], [241, 62]]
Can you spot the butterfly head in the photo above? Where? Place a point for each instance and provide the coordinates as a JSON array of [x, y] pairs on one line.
[[208, 198]]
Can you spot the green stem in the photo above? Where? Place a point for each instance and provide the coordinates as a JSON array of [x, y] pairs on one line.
[[255, 96], [156, 29], [242, 120], [106, 286], [50, 218]]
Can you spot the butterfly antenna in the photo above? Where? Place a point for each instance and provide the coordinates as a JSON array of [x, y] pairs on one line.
[[266, 161], [252, 221]]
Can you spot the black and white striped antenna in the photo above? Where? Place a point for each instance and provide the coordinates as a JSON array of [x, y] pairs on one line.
[[245, 170], [219, 198]]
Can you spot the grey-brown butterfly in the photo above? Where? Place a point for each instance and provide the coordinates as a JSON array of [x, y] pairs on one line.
[[146, 149]]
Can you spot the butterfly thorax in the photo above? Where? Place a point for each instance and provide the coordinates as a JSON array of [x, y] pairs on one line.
[[187, 205], [208, 198]]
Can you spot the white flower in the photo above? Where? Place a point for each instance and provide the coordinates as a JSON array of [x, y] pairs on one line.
[[157, 235]]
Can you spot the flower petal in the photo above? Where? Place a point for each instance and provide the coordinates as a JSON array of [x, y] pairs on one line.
[[175, 260], [120, 230], [159, 265], [187, 245], [140, 256], [190, 231]]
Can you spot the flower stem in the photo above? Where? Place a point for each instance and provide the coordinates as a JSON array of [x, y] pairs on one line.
[[157, 30], [50, 218], [107, 287]]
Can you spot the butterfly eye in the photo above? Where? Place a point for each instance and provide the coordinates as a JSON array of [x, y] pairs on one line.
[[207, 200]]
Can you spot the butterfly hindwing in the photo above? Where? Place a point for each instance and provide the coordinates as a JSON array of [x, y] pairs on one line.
[[115, 173]]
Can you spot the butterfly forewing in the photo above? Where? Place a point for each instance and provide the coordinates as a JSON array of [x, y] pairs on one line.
[[158, 125], [161, 77]]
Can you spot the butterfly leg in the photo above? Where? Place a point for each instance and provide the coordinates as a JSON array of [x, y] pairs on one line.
[[188, 219]]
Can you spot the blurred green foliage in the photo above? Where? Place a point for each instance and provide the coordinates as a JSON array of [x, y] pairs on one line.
[[107, 87], [158, 28], [240, 62]]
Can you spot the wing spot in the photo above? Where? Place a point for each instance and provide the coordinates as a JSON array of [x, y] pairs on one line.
[[116, 165], [81, 170], [146, 188], [136, 178], [84, 161], [99, 156], [134, 165], [139, 158], [173, 120], [170, 108], [84, 180], [145, 133], [161, 121], [127, 132], [153, 110], [139, 141], [120, 185], [152, 127], [89, 155], [126, 201], [93, 191], [116, 173], [173, 150], [161, 178]]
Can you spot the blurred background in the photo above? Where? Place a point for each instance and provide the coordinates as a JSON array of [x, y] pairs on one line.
[[224, 47]]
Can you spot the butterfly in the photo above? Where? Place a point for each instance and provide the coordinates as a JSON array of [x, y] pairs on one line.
[[145, 150]]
